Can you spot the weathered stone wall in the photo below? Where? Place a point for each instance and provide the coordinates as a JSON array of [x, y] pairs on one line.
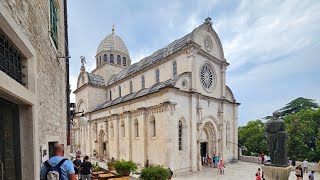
[[49, 84]]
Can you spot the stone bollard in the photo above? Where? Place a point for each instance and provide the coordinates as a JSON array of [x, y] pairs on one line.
[[276, 173]]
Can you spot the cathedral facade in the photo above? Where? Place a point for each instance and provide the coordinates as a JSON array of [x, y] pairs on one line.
[[170, 108]]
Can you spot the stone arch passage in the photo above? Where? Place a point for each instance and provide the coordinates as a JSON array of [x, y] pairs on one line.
[[208, 139]]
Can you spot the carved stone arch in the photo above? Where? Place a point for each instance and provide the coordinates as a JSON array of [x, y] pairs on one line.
[[209, 125]]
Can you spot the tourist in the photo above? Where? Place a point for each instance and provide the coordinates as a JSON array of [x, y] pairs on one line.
[[258, 174], [298, 173], [300, 168], [101, 159], [262, 158], [305, 166], [170, 173], [210, 161], [262, 175], [76, 163], [293, 164], [66, 166], [311, 175], [86, 169], [259, 159], [221, 167], [216, 161], [94, 153], [268, 159]]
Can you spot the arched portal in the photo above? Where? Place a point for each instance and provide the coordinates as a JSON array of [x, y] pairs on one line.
[[207, 139], [102, 144]]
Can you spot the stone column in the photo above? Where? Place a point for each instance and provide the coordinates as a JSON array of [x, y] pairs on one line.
[[235, 131], [129, 128], [223, 80], [117, 135], [191, 56], [143, 112]]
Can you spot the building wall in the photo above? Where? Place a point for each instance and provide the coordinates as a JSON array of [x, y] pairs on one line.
[[43, 99]]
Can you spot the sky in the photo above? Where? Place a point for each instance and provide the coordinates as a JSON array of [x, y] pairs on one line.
[[273, 47]]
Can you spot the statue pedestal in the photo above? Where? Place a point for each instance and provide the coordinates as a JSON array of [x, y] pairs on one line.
[[276, 173]]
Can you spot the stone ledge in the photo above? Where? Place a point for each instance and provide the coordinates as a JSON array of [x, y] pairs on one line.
[[276, 173]]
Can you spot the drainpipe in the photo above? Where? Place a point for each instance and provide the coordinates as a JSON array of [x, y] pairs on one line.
[[67, 69]]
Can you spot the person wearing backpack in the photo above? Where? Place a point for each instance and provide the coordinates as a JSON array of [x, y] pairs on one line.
[[57, 167]]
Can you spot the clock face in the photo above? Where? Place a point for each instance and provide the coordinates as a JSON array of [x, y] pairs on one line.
[[208, 43]]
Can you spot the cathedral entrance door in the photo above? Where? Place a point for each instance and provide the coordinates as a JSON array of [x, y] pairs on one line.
[[203, 150], [10, 160]]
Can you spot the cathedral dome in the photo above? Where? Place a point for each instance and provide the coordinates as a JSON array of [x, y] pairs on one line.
[[112, 42]]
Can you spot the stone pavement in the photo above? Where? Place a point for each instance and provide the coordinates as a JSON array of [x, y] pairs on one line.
[[237, 171]]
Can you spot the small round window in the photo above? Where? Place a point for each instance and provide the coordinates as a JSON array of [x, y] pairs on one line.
[[207, 77]]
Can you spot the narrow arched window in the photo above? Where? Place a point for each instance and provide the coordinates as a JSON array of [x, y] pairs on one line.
[[142, 82], [118, 59], [105, 58], [123, 134], [131, 87], [157, 76], [124, 61], [136, 128], [111, 58], [111, 130], [180, 135], [119, 91], [153, 127], [110, 95], [174, 69], [100, 60]]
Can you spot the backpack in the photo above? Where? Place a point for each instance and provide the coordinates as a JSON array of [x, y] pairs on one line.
[[54, 173]]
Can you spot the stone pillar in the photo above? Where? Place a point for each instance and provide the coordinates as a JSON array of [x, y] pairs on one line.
[[129, 128], [143, 111], [117, 135], [223, 80], [235, 131], [192, 52]]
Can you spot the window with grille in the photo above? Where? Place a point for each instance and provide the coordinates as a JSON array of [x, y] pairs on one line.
[[153, 127], [142, 82], [131, 87], [119, 91], [157, 76], [180, 135], [110, 95], [105, 58], [54, 23], [174, 69], [123, 134], [10, 59], [118, 59], [124, 61]]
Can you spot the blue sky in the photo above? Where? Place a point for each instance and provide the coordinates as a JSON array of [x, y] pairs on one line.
[[273, 47]]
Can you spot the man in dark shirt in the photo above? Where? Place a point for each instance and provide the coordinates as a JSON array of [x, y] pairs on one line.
[[300, 168], [76, 163], [86, 169]]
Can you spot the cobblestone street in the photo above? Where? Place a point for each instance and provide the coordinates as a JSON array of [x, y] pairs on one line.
[[237, 171]]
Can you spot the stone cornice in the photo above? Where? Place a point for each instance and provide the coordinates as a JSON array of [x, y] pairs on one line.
[[87, 85]]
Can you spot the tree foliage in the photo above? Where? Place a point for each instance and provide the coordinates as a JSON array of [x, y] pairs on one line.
[[302, 117], [303, 134], [252, 137]]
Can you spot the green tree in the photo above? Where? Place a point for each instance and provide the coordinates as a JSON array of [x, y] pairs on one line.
[[252, 137], [303, 134], [297, 105]]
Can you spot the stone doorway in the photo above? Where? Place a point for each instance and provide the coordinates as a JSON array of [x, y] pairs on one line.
[[10, 156]]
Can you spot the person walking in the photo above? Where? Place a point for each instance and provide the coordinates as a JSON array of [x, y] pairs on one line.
[[311, 175], [293, 164], [305, 166], [76, 163], [86, 169], [221, 167], [298, 173], [301, 171], [258, 174], [216, 161], [59, 164]]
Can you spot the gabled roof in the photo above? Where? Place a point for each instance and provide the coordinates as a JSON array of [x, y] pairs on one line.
[[142, 92], [95, 79], [154, 57]]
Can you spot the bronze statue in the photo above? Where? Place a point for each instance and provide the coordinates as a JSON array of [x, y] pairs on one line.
[[277, 140]]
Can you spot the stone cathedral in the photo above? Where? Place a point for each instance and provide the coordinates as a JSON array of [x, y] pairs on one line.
[[171, 107]]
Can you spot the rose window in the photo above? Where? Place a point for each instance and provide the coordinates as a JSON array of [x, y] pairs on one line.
[[207, 77]]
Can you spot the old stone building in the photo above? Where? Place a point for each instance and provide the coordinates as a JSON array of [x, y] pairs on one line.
[[33, 84], [170, 108]]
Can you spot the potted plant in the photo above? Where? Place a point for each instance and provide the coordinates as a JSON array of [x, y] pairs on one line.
[[96, 167], [124, 168], [110, 165], [155, 172]]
